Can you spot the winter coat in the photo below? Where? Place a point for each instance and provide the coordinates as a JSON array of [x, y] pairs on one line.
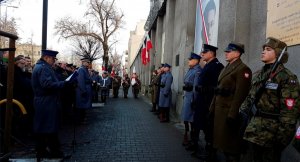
[[83, 89], [47, 104], [165, 95], [233, 86]]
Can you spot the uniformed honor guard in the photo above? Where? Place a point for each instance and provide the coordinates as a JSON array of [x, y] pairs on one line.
[[47, 104], [126, 85], [277, 106], [165, 95], [207, 82], [104, 84], [160, 72], [116, 83], [84, 88], [136, 85], [189, 80], [233, 86]]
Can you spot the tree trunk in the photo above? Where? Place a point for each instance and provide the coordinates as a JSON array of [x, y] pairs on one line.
[[105, 55]]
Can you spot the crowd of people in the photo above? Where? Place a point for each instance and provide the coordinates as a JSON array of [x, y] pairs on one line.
[[54, 91], [240, 115], [234, 107]]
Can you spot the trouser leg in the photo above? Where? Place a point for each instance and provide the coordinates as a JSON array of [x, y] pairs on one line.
[[186, 132], [41, 146], [54, 146]]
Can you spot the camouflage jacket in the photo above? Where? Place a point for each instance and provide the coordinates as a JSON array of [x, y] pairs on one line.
[[277, 108]]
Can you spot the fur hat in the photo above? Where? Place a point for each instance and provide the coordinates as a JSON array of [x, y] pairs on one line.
[[278, 46]]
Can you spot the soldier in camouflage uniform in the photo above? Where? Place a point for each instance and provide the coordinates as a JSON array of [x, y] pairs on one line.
[[273, 125]]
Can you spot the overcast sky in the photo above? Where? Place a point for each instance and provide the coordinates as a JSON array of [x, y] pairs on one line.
[[29, 18]]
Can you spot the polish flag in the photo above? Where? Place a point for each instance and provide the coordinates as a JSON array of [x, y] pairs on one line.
[[148, 48], [144, 54], [112, 74]]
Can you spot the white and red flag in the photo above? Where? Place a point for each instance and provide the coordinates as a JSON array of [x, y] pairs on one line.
[[148, 48], [144, 54]]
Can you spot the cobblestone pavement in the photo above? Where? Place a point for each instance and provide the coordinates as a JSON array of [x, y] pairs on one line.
[[125, 130]]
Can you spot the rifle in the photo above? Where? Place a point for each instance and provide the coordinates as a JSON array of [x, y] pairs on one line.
[[246, 116]]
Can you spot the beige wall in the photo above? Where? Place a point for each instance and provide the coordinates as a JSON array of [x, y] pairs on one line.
[[135, 41], [33, 51]]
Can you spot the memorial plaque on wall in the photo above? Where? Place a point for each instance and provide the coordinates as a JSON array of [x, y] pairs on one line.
[[283, 20]]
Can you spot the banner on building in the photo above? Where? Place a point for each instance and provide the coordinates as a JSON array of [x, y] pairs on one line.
[[283, 20], [207, 20]]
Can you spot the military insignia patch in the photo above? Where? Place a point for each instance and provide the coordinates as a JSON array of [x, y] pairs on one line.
[[297, 136], [246, 75], [290, 102], [273, 86]]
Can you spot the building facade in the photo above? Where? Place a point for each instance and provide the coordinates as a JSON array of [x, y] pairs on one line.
[[31, 50], [172, 27]]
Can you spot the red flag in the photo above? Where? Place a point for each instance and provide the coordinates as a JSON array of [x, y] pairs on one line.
[[148, 43], [148, 47], [144, 52], [112, 74]]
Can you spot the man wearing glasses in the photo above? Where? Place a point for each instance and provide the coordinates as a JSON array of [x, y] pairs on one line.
[[233, 86]]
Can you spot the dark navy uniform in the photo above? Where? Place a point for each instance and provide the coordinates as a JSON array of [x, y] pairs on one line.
[[47, 104]]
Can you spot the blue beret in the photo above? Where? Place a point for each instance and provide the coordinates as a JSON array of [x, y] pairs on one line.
[[235, 47], [167, 65], [207, 47], [49, 53], [194, 56]]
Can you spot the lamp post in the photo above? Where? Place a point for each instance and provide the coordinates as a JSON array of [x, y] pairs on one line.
[[44, 25]]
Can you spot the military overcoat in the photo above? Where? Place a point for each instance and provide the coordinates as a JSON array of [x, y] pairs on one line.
[[47, 104], [83, 89], [233, 86], [187, 113], [207, 82], [165, 95]]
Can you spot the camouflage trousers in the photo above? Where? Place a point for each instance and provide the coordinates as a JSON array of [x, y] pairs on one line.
[[257, 153]]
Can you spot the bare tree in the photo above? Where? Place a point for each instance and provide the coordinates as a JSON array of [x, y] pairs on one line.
[[9, 26], [106, 19], [87, 47], [115, 61]]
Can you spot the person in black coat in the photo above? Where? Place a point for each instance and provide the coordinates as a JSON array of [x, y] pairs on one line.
[[22, 124]]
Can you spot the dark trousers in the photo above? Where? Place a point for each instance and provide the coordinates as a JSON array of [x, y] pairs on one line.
[[125, 90], [48, 145], [264, 154], [116, 92], [95, 96]]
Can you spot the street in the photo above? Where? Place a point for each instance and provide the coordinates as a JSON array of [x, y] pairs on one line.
[[122, 130]]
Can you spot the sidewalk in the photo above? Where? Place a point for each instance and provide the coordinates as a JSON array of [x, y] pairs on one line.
[[122, 130]]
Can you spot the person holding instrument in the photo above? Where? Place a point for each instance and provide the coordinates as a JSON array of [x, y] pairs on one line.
[[274, 103]]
